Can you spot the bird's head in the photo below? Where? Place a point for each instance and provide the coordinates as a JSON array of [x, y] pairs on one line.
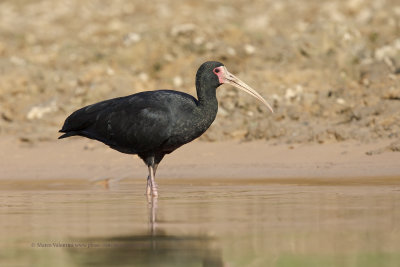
[[215, 74]]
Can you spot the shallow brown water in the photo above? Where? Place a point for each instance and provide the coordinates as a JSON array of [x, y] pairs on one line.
[[242, 222]]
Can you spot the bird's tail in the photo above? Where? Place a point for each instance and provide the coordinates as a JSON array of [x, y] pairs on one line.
[[67, 134]]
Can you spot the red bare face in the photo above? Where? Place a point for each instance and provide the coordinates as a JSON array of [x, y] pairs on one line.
[[219, 71]]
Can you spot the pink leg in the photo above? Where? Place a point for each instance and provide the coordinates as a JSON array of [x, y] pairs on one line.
[[148, 187], [151, 188], [153, 184]]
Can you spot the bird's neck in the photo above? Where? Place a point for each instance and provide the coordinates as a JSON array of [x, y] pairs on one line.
[[207, 102], [207, 97]]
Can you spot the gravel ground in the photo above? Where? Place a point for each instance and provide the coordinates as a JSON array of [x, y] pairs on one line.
[[331, 69]]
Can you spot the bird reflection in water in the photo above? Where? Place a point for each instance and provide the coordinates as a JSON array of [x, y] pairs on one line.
[[152, 204], [156, 247]]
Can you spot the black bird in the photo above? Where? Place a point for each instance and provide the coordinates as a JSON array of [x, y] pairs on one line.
[[152, 124]]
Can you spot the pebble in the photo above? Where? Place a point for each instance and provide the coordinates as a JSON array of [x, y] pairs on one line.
[[249, 49]]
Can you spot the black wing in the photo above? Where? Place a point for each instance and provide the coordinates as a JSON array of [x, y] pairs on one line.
[[133, 124]]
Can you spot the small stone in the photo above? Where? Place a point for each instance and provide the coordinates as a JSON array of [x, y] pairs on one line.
[[289, 94], [239, 134], [7, 116], [385, 51], [132, 38], [198, 40], [250, 113], [110, 71], [26, 139], [18, 61], [249, 49], [395, 146], [222, 112], [38, 112], [144, 77], [183, 29], [178, 82], [231, 51], [340, 101], [392, 94]]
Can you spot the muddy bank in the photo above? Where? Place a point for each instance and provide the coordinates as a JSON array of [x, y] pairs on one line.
[[86, 160]]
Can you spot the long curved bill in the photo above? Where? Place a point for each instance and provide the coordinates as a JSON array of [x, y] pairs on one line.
[[231, 79]]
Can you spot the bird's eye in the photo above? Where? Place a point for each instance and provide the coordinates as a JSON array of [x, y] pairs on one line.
[[216, 70]]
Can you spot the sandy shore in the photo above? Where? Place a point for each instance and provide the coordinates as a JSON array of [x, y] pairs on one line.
[[80, 159]]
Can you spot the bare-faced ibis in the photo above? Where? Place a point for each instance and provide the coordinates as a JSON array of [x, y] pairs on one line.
[[152, 124]]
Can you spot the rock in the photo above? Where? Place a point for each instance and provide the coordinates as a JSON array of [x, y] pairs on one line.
[[249, 49], [7, 116], [177, 81], [17, 61], [37, 112], [231, 51], [183, 29], [340, 101], [239, 134], [393, 147], [131, 38], [392, 94]]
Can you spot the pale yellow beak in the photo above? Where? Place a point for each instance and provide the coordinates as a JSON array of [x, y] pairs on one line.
[[231, 79]]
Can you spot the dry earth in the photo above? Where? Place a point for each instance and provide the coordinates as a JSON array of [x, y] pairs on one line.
[[330, 68]]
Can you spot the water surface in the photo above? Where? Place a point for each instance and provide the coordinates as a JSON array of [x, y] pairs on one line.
[[241, 222]]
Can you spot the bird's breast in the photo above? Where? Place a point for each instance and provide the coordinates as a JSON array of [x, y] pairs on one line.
[[189, 127]]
